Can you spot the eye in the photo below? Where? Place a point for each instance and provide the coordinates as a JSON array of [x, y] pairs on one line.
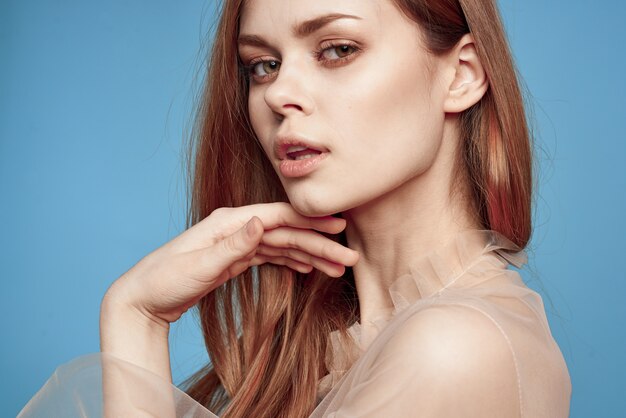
[[329, 54], [335, 52], [263, 69]]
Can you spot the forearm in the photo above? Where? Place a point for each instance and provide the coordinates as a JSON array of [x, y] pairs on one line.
[[128, 335], [131, 336]]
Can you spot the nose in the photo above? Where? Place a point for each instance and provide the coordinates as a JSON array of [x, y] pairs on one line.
[[288, 92]]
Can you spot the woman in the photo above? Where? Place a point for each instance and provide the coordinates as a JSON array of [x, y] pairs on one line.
[[404, 120]]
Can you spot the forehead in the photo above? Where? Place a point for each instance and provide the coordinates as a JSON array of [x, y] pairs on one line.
[[272, 16]]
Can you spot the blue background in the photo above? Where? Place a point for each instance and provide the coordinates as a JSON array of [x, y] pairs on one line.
[[95, 105]]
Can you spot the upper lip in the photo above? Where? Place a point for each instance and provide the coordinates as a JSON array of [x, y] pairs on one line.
[[283, 142]]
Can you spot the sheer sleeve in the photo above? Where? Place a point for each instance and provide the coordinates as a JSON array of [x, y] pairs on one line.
[[467, 338], [75, 389], [447, 361]]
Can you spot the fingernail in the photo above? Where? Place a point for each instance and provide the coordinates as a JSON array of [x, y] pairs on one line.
[[250, 228]]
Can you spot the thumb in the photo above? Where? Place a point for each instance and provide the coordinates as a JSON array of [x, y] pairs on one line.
[[241, 243]]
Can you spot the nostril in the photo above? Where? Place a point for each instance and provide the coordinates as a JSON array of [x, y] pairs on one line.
[[291, 105]]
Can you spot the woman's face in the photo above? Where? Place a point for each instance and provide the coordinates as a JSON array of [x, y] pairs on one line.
[[356, 91]]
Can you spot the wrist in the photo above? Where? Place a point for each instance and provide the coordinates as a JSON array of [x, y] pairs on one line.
[[131, 335], [117, 307], [115, 313]]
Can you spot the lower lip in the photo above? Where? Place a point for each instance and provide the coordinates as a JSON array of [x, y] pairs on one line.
[[299, 168]]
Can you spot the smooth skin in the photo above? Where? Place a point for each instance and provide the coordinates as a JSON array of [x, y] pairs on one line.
[[387, 115], [365, 88], [140, 305]]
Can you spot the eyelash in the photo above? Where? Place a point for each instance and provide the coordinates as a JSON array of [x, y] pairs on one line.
[[318, 54]]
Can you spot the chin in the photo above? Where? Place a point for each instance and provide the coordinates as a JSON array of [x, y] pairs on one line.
[[318, 205], [312, 209], [327, 201]]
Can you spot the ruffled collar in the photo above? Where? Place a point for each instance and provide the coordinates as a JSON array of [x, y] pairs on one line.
[[454, 265]]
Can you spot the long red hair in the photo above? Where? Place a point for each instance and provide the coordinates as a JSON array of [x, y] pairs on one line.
[[266, 330]]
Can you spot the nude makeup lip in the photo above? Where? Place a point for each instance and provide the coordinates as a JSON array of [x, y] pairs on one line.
[[299, 168], [298, 156]]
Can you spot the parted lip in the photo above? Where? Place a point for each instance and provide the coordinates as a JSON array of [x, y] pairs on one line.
[[284, 142]]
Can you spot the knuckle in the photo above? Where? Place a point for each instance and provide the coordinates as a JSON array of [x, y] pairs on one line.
[[284, 211], [232, 245], [217, 212], [221, 212], [292, 239], [302, 257], [326, 251], [283, 205], [281, 218], [291, 253]]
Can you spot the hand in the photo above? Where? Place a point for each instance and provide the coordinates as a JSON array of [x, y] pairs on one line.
[[170, 280]]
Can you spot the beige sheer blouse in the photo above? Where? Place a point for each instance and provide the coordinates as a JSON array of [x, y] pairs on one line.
[[465, 338]]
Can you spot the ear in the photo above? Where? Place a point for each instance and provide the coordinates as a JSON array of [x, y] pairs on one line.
[[470, 81]]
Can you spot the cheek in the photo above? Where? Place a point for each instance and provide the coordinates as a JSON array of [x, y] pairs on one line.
[[389, 117], [260, 118]]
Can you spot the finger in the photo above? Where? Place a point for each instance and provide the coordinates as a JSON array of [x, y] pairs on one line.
[[241, 265], [328, 267], [278, 214], [260, 259], [226, 220], [222, 260], [310, 242]]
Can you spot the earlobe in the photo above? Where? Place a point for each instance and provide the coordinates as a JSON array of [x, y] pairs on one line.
[[470, 80]]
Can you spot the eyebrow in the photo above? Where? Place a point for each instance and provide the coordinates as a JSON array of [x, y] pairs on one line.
[[299, 30]]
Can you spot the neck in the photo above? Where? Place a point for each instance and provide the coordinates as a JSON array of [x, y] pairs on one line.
[[393, 230]]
